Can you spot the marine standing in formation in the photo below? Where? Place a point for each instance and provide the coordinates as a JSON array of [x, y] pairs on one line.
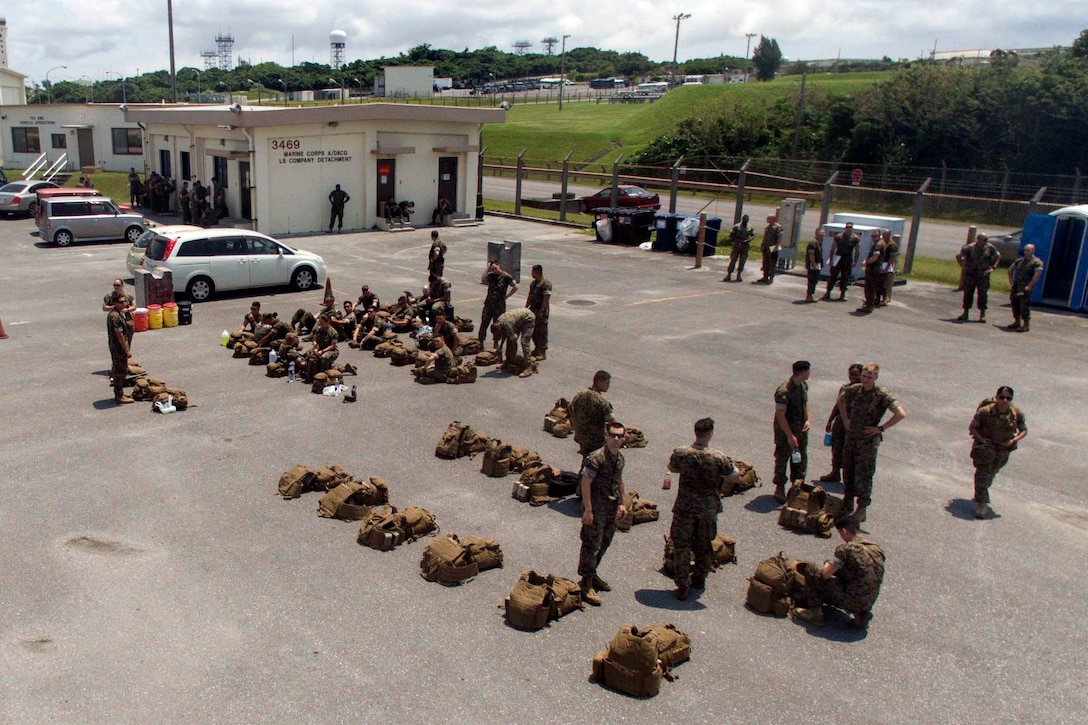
[[740, 238], [772, 241], [702, 471], [602, 501], [791, 426], [844, 255], [997, 427], [979, 260], [874, 272], [861, 407]]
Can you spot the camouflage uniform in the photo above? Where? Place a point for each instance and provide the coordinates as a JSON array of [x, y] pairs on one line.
[[436, 265], [1022, 272], [792, 398], [115, 321], [813, 263], [874, 273], [772, 238], [444, 361], [605, 472], [589, 411], [740, 237], [517, 324], [447, 332], [438, 290], [892, 259], [495, 301], [976, 260], [695, 512], [538, 290], [989, 459], [845, 244], [303, 320], [130, 327], [324, 361], [864, 409], [838, 435], [856, 586]]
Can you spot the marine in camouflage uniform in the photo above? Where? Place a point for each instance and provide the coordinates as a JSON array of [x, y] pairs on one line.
[[874, 272], [862, 406], [539, 301], [837, 430], [602, 501], [814, 261], [324, 351], [978, 260], [515, 324], [120, 352], [698, 502], [1024, 274], [772, 240], [500, 285], [589, 411], [126, 313], [847, 247], [850, 581], [791, 411], [997, 427], [740, 239]]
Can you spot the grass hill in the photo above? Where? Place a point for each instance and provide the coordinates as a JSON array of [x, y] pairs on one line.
[[602, 131]]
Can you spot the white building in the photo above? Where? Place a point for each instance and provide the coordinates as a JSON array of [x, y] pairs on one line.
[[279, 164], [405, 81], [95, 134]]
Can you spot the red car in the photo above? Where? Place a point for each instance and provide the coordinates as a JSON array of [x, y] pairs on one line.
[[628, 197]]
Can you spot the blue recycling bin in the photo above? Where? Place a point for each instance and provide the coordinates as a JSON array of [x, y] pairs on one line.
[[665, 224]]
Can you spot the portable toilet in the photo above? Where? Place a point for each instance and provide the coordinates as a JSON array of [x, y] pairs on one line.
[[863, 231], [1059, 239]]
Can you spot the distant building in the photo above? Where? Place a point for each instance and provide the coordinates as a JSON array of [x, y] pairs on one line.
[[405, 81]]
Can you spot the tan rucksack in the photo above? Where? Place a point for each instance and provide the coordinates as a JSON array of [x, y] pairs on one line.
[[496, 461], [351, 500], [522, 458], [417, 523], [486, 357], [448, 561], [382, 530], [810, 508], [529, 603], [630, 664], [673, 647], [463, 374], [745, 480], [469, 346], [639, 511], [295, 481], [485, 552], [633, 438], [769, 587], [566, 597], [724, 551], [463, 324]]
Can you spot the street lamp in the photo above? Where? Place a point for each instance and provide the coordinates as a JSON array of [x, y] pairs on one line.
[[197, 71], [333, 80], [252, 82], [48, 87], [747, 47], [562, 69], [91, 81], [676, 41], [284, 84], [124, 98]]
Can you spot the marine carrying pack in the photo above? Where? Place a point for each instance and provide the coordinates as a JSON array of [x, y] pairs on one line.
[[770, 586]]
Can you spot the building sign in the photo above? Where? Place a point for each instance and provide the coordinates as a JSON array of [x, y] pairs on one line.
[[37, 121], [304, 151]]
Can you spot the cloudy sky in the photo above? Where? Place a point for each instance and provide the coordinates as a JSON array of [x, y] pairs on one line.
[[101, 38]]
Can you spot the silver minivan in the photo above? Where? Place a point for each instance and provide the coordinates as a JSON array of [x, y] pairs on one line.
[[84, 219]]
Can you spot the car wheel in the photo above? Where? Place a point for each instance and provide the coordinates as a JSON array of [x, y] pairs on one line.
[[200, 289], [304, 278], [33, 208], [63, 238], [133, 233]]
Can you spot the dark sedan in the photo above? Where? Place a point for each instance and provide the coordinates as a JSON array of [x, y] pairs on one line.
[[629, 197]]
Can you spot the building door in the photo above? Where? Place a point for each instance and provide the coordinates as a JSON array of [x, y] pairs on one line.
[[447, 179], [245, 200], [1063, 262], [164, 163], [387, 183], [85, 142], [186, 165]]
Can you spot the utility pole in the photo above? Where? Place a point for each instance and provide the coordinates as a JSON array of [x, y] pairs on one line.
[[747, 48], [676, 41], [562, 70], [173, 73]]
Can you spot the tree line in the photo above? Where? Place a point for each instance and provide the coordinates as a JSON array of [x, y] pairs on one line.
[[1030, 117]]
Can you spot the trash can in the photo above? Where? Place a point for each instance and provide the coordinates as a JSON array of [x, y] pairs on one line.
[[665, 224], [632, 226], [603, 225], [509, 255], [710, 238]]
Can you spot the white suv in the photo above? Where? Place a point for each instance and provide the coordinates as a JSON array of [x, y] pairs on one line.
[[205, 260]]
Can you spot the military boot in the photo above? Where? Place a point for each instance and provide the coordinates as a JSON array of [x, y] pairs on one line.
[[832, 477], [780, 492], [600, 584], [120, 398], [982, 317], [826, 297], [589, 596], [814, 615], [848, 504], [810, 300], [861, 620], [1025, 327], [1015, 324], [963, 317], [860, 514], [682, 592], [981, 510]]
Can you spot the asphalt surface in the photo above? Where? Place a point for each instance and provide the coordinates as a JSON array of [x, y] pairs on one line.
[[151, 574]]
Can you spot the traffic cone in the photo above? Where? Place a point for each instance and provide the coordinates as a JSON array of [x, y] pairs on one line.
[[330, 299], [3, 335]]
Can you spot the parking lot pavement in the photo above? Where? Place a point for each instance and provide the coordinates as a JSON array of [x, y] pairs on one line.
[[151, 574]]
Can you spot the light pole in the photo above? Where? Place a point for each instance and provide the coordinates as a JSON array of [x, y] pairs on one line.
[[48, 87], [284, 84], [562, 69], [676, 41], [197, 71], [747, 47], [91, 81], [333, 80], [124, 98], [252, 82]]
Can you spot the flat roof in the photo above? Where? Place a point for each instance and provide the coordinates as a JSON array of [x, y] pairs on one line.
[[254, 116]]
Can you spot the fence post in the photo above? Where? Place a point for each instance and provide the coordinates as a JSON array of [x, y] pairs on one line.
[[940, 188], [480, 183], [700, 241], [1076, 187], [517, 186], [825, 204], [912, 241], [675, 183], [563, 188], [1033, 205], [615, 181], [738, 209], [1005, 183]]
